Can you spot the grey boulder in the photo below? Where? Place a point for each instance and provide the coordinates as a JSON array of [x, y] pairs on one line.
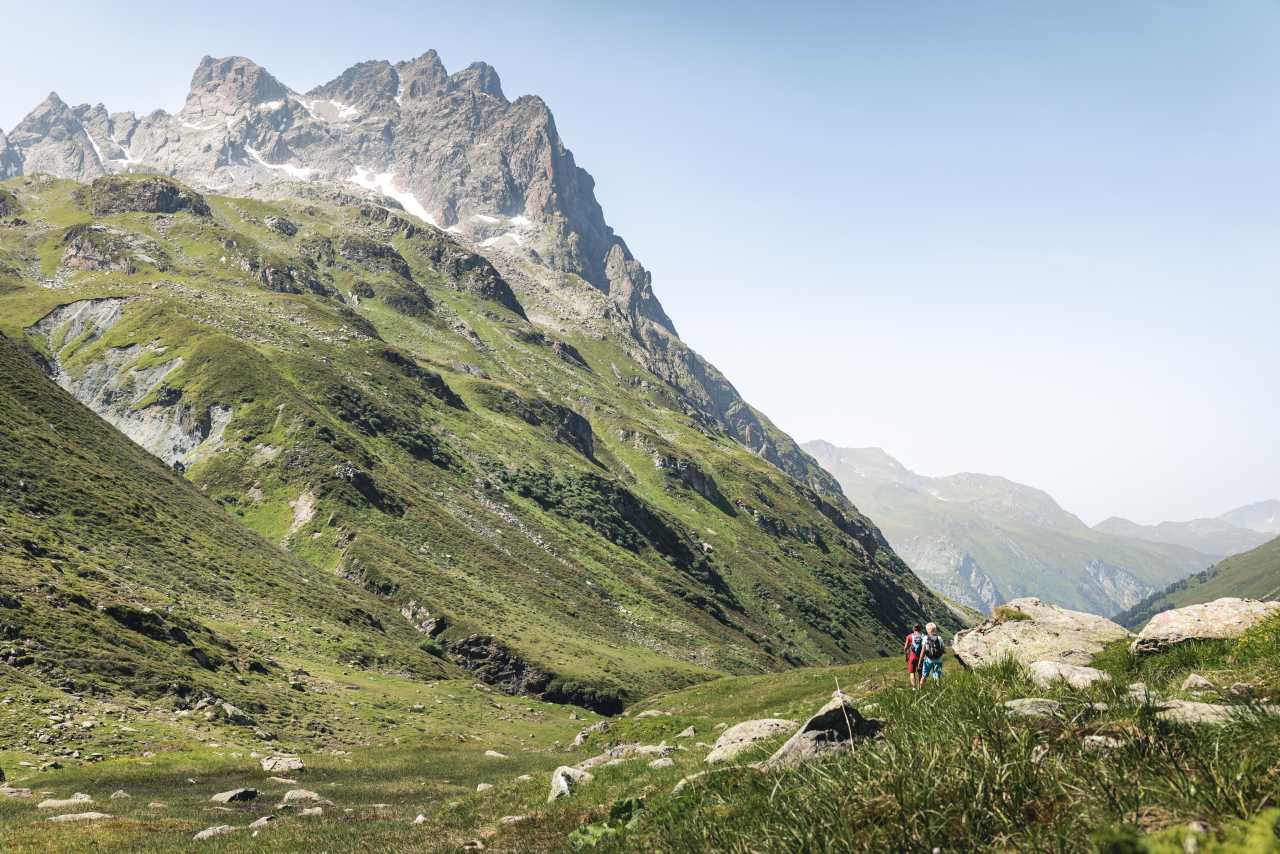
[[740, 737], [1220, 619]]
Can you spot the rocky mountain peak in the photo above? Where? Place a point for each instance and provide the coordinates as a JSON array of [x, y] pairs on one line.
[[51, 118], [422, 77], [365, 86], [223, 86], [478, 77]]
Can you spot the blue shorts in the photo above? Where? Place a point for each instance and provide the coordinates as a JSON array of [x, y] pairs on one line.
[[931, 667]]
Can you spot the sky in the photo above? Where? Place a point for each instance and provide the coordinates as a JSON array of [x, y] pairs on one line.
[[1039, 240]]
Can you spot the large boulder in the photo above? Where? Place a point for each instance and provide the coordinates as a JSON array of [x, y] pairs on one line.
[[283, 764], [834, 727], [1030, 630], [740, 737], [1046, 673], [1222, 618]]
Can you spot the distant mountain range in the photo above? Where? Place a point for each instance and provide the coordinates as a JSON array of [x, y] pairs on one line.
[[982, 540], [1252, 575]]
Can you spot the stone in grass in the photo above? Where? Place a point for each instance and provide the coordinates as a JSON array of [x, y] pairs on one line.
[[119, 795], [311, 812], [13, 792], [210, 832], [421, 819], [483, 787], [740, 737], [513, 819], [235, 795], [664, 762], [564, 780], [1094, 743], [652, 713], [833, 727], [262, 822], [1195, 682], [283, 764], [79, 816], [294, 796], [63, 803], [1046, 673], [1033, 707], [493, 754], [687, 732]]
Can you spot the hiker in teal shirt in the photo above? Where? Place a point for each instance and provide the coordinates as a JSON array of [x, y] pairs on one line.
[[932, 654]]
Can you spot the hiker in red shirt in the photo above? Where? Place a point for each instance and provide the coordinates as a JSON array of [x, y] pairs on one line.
[[912, 646]]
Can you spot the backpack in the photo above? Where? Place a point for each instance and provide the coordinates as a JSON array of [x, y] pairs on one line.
[[933, 647], [917, 640]]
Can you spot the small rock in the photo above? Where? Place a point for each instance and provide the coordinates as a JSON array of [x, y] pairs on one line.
[[235, 795], [283, 764], [524, 778], [564, 780], [740, 737], [513, 819], [1101, 743], [157, 805], [661, 763], [80, 816], [483, 787], [1038, 753], [61, 804], [1140, 693], [652, 713], [294, 796], [1196, 683], [210, 832], [311, 811], [262, 822], [1033, 707], [119, 795], [13, 792], [473, 845], [1046, 673], [687, 732], [1241, 691], [493, 754], [421, 819]]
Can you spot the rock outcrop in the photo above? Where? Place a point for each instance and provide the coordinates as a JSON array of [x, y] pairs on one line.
[[1037, 631], [1220, 619]]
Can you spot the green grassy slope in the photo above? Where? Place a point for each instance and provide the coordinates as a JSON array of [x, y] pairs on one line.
[[1252, 575], [949, 770], [396, 421]]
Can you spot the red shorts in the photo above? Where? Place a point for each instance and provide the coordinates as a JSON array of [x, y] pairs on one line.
[[911, 663]]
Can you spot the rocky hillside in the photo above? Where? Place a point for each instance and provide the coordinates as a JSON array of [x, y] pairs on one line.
[[983, 540], [1252, 575], [119, 579], [452, 150], [376, 398]]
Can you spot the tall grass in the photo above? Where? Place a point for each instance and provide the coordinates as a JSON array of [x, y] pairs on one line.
[[952, 771]]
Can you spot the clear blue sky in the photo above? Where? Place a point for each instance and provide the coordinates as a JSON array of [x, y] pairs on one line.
[[1032, 239]]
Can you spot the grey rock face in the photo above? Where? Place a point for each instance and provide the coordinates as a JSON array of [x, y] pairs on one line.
[[452, 150], [1228, 617], [10, 160]]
